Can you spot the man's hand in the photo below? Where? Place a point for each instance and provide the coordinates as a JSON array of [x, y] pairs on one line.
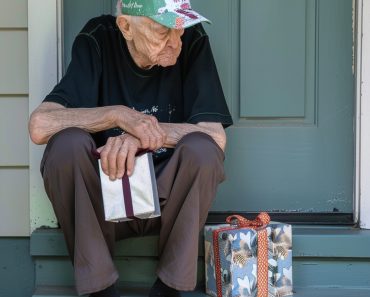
[[118, 155], [144, 127]]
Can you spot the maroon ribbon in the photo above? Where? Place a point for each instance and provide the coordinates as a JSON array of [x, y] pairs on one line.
[[127, 198]]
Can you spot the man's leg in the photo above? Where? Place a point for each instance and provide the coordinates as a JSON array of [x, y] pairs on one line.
[[188, 184], [72, 183]]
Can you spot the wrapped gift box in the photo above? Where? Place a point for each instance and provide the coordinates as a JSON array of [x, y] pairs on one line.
[[131, 197], [236, 250]]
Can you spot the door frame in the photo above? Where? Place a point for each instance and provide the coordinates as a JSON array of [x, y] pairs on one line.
[[362, 197], [45, 70]]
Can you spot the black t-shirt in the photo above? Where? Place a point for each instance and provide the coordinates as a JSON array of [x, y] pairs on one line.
[[103, 73]]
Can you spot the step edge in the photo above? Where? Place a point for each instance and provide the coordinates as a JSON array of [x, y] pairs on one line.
[[307, 242], [69, 291]]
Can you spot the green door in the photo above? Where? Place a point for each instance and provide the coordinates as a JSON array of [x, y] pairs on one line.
[[287, 71]]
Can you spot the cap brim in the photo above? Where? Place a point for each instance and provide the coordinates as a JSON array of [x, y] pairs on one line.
[[179, 19]]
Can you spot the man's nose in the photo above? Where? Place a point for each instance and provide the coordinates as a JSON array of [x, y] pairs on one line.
[[174, 40]]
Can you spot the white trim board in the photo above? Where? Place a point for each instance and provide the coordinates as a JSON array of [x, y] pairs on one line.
[[357, 72], [45, 61], [364, 92], [43, 76]]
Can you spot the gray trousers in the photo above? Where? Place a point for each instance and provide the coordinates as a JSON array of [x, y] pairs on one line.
[[187, 185]]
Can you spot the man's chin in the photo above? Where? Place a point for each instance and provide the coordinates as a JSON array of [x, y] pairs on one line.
[[166, 64], [167, 61]]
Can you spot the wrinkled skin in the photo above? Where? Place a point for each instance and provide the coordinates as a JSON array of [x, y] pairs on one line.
[[150, 43]]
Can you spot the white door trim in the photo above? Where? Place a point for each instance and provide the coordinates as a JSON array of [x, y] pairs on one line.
[[363, 92], [44, 56], [357, 65], [45, 69]]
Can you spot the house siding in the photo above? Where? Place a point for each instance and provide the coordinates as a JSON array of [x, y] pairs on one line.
[[14, 157]]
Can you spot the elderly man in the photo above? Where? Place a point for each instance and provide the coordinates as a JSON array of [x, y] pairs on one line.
[[143, 80]]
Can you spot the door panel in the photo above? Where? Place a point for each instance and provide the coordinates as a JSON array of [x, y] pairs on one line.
[[292, 146], [286, 70], [274, 51], [76, 13]]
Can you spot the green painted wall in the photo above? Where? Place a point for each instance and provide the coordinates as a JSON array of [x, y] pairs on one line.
[[17, 271]]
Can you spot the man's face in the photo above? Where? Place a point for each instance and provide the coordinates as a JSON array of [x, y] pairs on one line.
[[160, 45]]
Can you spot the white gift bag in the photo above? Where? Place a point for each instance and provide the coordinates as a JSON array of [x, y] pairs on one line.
[[131, 197]]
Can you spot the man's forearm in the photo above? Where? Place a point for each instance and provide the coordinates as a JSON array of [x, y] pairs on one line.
[[52, 118], [176, 131]]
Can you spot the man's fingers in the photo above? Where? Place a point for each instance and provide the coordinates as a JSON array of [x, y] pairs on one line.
[[104, 152], [130, 161], [158, 139], [160, 130], [112, 158], [157, 134], [118, 155], [121, 161], [144, 140], [148, 131], [153, 141]]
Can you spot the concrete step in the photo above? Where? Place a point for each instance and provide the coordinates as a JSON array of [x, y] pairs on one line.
[[322, 257], [308, 241], [143, 292], [327, 262], [130, 291]]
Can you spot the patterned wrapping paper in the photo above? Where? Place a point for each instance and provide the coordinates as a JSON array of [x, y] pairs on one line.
[[238, 259]]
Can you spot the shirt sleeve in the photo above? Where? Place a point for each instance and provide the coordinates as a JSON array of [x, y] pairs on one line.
[[204, 100], [80, 85]]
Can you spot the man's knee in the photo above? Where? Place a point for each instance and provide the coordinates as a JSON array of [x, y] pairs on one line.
[[200, 151], [68, 146]]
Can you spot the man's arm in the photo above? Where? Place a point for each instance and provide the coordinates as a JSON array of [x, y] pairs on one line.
[[175, 132], [50, 118], [118, 154]]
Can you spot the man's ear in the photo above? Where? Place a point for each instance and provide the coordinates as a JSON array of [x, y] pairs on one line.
[[123, 23]]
